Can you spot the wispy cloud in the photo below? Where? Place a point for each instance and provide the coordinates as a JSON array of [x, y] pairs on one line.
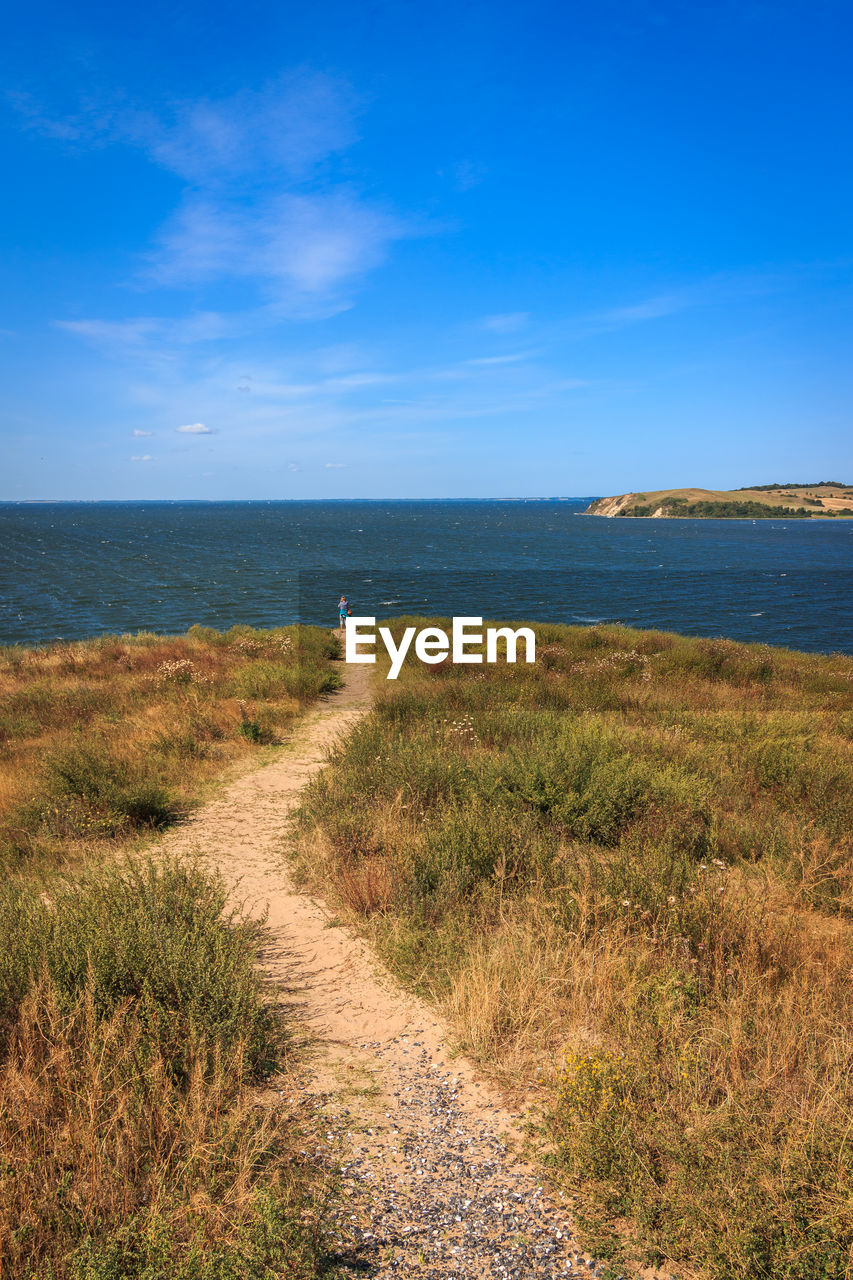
[[513, 357], [300, 249], [262, 202], [137, 432], [284, 129], [118, 333], [507, 321], [720, 289], [665, 304], [92, 122], [141, 334], [142, 457], [294, 407], [468, 174], [194, 429]]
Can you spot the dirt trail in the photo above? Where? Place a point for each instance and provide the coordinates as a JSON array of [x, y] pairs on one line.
[[424, 1151]]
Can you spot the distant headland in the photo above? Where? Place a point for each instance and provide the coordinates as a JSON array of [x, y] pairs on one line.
[[825, 499]]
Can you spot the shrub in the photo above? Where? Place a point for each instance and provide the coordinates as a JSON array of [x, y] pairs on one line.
[[105, 738], [640, 848], [132, 1020], [120, 791], [153, 934]]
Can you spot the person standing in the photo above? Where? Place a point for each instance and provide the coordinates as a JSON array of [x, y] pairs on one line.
[[343, 611]]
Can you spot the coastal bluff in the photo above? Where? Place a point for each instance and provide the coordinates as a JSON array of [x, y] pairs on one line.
[[826, 499]]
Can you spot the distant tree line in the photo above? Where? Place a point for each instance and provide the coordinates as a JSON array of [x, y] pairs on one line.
[[765, 488], [718, 510]]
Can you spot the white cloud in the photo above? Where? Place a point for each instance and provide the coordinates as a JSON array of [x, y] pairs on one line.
[[468, 174], [292, 403], [286, 127], [666, 304], [335, 466], [150, 333], [142, 457], [260, 204], [714, 290], [137, 432], [512, 358], [194, 429], [112, 333], [507, 322], [353, 381], [295, 246]]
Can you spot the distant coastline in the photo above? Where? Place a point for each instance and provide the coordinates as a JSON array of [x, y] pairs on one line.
[[89, 569], [825, 500]]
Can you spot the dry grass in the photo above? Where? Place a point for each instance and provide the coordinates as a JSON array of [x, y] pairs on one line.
[[96, 1132], [134, 1026], [100, 740], [626, 875]]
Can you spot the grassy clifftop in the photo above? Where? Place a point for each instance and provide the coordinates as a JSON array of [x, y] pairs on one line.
[[799, 502], [104, 739], [134, 1024], [626, 873]]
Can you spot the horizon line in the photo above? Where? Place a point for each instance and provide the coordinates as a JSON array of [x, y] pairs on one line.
[[530, 497]]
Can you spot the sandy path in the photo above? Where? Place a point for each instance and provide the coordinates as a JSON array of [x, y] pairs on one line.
[[423, 1150]]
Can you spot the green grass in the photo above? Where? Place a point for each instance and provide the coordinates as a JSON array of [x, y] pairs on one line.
[[625, 872]]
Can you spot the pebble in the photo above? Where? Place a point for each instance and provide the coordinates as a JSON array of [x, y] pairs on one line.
[[430, 1189]]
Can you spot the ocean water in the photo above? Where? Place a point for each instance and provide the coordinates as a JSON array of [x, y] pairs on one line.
[[73, 570]]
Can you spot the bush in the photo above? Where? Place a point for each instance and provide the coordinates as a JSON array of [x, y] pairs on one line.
[[106, 738], [119, 791], [132, 1020], [154, 935], [590, 787], [639, 848]]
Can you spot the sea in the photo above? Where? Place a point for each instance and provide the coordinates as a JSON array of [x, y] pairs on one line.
[[75, 570]]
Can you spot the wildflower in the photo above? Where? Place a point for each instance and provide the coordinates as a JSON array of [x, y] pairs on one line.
[[671, 900]]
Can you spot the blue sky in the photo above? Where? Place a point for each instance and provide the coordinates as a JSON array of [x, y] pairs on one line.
[[435, 249]]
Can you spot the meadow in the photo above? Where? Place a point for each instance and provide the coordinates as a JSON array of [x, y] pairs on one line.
[[135, 1029], [625, 874]]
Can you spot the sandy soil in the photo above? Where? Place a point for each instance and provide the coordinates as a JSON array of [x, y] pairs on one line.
[[426, 1155]]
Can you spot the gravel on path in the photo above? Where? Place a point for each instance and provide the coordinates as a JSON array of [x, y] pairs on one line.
[[423, 1151], [428, 1188]]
